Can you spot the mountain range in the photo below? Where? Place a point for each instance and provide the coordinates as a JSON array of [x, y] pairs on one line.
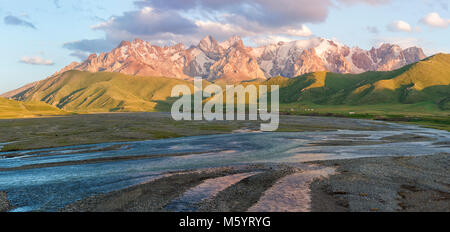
[[426, 81], [232, 62]]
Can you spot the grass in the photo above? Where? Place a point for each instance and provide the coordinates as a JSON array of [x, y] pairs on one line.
[[97, 128], [16, 109], [424, 113], [103, 92], [424, 81]]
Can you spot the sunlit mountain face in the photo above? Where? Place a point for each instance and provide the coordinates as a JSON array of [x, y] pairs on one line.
[[231, 59]]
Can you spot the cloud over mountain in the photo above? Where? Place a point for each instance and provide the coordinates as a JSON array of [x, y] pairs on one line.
[[263, 12], [167, 22], [90, 45]]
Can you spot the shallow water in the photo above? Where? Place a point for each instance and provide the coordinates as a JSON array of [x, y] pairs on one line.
[[206, 190], [291, 193], [50, 188]]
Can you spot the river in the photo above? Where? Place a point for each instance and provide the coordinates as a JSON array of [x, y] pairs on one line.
[[49, 179]]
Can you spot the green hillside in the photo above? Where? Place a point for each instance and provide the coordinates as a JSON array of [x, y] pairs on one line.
[[425, 81], [420, 87], [103, 92], [17, 109]]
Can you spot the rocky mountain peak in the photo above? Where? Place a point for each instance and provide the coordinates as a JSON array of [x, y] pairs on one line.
[[92, 56], [124, 43], [208, 44], [230, 58], [137, 40], [234, 41], [179, 46]]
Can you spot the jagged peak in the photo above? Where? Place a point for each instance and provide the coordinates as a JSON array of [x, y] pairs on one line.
[[124, 43], [92, 56], [209, 44], [388, 46], [208, 40], [179, 46], [137, 40], [232, 41]]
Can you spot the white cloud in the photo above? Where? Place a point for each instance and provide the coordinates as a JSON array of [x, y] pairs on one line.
[[165, 22], [103, 24], [271, 39], [400, 26], [264, 12], [146, 10], [220, 30], [36, 60], [435, 20], [302, 31]]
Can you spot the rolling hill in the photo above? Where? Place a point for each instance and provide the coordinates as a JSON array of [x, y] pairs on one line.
[[16, 109], [425, 81], [102, 92]]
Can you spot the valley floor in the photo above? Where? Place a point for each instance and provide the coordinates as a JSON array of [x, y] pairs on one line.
[[380, 165], [424, 114], [46, 132]]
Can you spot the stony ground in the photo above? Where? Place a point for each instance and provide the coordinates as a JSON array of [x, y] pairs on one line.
[[4, 203], [385, 184]]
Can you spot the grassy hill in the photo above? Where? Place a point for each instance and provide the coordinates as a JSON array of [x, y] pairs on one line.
[[16, 109], [425, 81], [103, 92], [418, 93]]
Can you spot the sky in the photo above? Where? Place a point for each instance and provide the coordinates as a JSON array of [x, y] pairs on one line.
[[40, 37]]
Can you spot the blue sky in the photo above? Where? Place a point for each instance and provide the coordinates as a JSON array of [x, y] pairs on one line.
[[41, 37]]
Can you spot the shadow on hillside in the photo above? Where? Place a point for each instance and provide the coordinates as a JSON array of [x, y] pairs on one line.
[[165, 105]]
